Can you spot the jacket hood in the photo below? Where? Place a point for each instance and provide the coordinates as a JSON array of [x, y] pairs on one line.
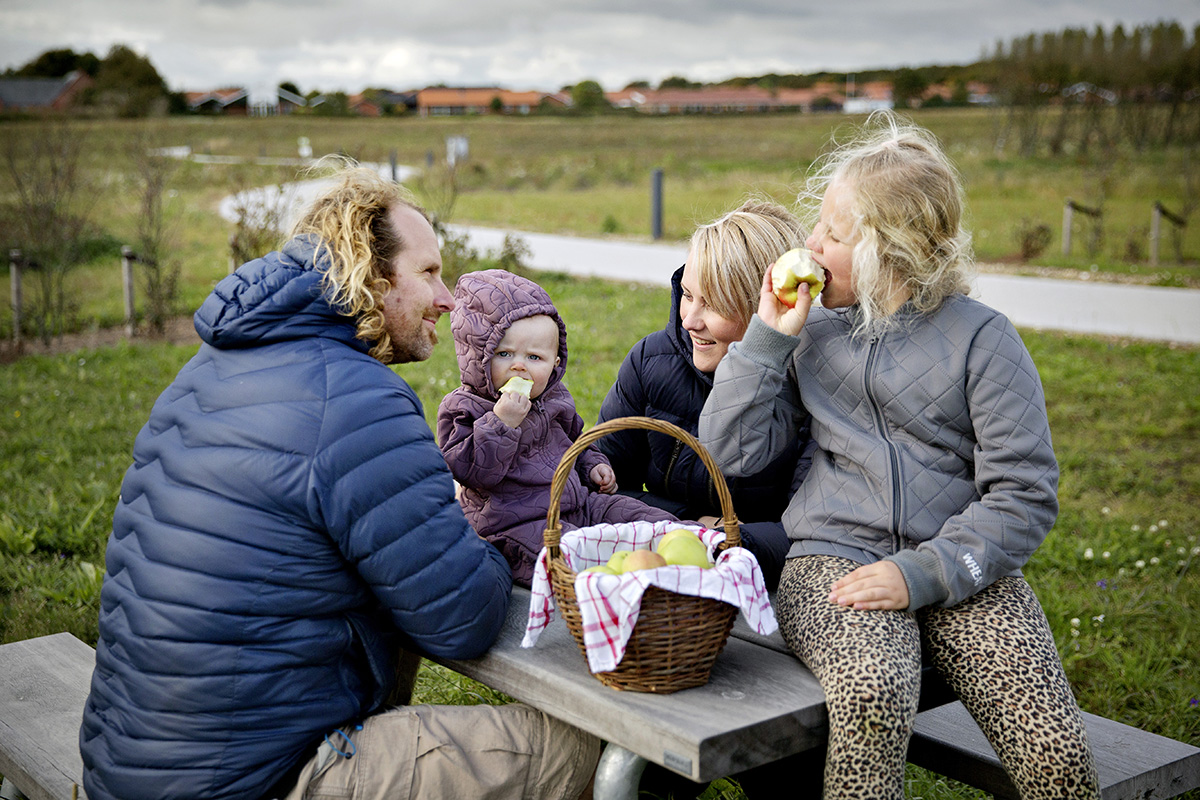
[[275, 298], [678, 336], [486, 303]]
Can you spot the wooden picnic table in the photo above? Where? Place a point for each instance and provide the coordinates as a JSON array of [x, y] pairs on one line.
[[760, 704]]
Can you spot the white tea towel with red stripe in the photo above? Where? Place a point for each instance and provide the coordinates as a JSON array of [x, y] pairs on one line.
[[609, 604]]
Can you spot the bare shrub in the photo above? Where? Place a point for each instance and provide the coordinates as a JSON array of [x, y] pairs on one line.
[[1033, 238], [260, 219], [158, 269], [50, 217]]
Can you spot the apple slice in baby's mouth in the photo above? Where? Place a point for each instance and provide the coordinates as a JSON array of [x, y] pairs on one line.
[[517, 385]]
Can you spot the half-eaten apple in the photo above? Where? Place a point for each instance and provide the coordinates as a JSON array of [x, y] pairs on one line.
[[793, 268]]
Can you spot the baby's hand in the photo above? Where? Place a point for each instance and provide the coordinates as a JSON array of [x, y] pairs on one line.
[[872, 586], [512, 408], [605, 479]]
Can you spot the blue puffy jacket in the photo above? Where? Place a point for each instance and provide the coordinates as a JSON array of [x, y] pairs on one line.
[[659, 380], [288, 523]]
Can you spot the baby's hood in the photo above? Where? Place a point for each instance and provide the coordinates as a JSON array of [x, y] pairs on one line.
[[486, 303]]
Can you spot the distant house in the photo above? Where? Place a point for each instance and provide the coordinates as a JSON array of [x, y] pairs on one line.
[[714, 100], [43, 94], [364, 106], [870, 96], [821, 96], [378, 102], [230, 101], [980, 94], [288, 101], [726, 99], [444, 101]]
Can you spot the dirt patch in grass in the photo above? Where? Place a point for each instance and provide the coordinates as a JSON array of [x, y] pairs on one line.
[[178, 331]]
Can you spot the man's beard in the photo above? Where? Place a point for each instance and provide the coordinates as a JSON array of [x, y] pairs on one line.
[[418, 347]]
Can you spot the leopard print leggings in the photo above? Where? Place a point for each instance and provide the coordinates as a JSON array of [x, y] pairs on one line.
[[994, 649]]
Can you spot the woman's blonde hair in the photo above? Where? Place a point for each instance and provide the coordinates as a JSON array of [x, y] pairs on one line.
[[731, 254], [907, 208], [357, 236]]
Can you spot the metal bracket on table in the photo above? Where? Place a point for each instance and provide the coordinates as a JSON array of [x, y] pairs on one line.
[[618, 774]]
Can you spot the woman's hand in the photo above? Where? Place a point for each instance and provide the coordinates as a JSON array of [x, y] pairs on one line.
[[872, 587], [512, 408], [783, 319], [605, 479]]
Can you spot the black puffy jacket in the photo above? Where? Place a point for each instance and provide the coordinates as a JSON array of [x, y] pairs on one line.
[[659, 380]]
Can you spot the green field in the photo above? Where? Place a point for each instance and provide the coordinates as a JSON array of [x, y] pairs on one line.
[[1119, 576], [590, 176]]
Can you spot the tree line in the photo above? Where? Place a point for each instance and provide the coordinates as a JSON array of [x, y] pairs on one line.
[[1140, 87], [126, 83]]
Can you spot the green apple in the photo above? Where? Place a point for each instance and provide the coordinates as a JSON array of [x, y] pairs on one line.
[[602, 569], [671, 534], [643, 559], [683, 551], [617, 562], [792, 269], [517, 386]]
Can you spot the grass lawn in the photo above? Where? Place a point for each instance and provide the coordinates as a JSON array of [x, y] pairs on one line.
[[591, 177], [1119, 576]]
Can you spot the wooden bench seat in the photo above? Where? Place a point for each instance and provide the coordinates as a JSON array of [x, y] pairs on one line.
[[1131, 763], [43, 687], [761, 704]]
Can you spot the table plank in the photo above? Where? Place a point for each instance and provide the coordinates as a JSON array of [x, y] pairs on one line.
[[758, 706]]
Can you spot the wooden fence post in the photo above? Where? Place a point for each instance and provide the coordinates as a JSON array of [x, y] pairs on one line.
[[14, 273], [1068, 217], [1156, 225], [127, 259]]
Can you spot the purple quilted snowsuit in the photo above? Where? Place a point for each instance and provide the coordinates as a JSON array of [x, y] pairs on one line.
[[506, 472]]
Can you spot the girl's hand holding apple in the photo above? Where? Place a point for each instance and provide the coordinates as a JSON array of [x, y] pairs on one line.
[[779, 316]]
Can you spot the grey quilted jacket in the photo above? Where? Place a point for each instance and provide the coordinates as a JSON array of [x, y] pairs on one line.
[[933, 451]]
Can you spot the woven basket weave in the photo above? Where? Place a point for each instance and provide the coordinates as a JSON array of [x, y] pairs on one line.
[[677, 637]]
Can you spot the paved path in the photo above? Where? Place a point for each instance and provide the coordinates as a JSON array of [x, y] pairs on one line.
[[1140, 312]]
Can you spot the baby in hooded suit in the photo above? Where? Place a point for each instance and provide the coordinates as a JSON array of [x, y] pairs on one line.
[[503, 446]]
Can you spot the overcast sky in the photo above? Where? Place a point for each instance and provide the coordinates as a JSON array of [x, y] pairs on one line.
[[536, 44]]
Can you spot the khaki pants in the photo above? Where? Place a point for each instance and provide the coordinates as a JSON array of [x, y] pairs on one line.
[[453, 752]]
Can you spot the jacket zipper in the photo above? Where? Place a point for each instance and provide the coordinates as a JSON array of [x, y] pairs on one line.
[[671, 465], [893, 456]]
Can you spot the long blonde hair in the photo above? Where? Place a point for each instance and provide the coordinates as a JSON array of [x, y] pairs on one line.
[[351, 220], [907, 209], [731, 254]]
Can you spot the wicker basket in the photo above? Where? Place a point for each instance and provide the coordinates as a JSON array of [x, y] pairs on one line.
[[677, 636]]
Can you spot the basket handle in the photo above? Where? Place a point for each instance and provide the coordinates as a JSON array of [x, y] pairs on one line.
[[553, 533]]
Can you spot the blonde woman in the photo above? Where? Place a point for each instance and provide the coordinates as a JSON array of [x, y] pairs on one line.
[[668, 376], [933, 478]]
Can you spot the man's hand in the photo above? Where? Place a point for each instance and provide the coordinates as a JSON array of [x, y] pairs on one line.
[[783, 319], [872, 587], [512, 408], [605, 479]]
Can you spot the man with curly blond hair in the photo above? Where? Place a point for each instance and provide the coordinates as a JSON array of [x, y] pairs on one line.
[[288, 532]]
